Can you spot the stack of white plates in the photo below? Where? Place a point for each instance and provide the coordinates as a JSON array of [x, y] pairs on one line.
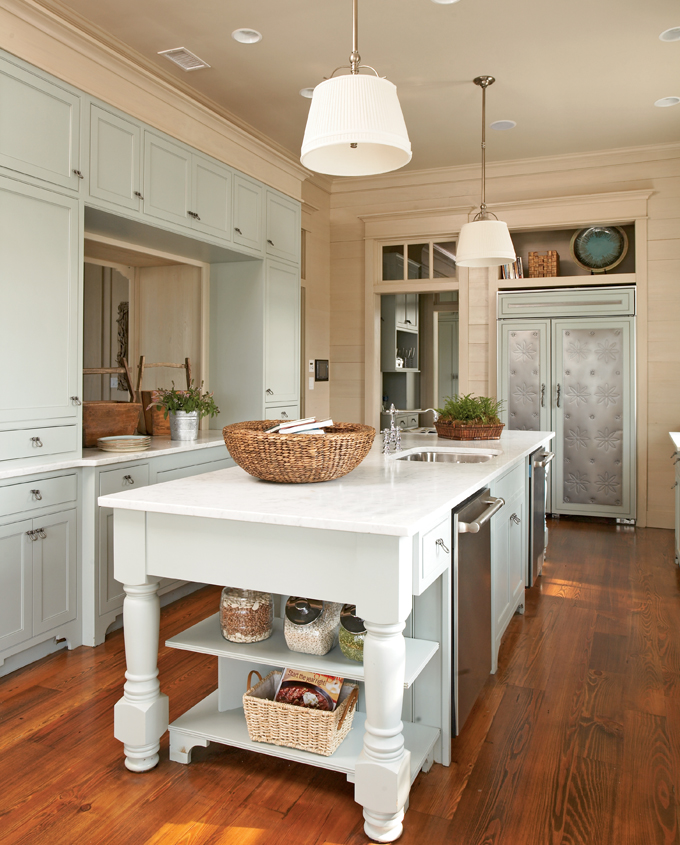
[[125, 443]]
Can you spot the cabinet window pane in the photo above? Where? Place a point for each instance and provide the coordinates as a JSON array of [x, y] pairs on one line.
[[419, 261], [444, 260], [393, 263]]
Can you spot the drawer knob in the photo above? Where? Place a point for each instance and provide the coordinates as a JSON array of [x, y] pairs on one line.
[[37, 495], [515, 518], [236, 229], [443, 546], [37, 442], [128, 479], [138, 195]]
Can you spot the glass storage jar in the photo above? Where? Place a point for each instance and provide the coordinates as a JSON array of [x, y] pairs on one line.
[[246, 616], [352, 633], [311, 625]]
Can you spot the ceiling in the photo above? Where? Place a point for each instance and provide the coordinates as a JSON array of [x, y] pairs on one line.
[[576, 77]]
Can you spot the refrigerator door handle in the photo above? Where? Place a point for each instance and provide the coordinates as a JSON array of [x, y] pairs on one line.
[[559, 391], [546, 460], [495, 504]]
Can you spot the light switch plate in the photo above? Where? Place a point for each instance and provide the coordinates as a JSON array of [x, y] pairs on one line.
[[311, 365], [311, 382], [113, 381]]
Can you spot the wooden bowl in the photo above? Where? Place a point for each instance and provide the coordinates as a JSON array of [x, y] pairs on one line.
[[102, 418]]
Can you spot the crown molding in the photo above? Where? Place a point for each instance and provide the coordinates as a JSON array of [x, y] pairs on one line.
[[76, 35]]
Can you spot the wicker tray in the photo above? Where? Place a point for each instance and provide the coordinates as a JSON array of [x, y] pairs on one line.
[[298, 458], [318, 731], [459, 431]]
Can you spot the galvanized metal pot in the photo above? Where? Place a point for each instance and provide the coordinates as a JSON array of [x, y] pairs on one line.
[[183, 425]]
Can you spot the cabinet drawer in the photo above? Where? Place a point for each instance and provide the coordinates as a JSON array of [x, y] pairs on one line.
[[117, 480], [282, 412], [435, 555], [31, 495], [187, 472], [38, 442]]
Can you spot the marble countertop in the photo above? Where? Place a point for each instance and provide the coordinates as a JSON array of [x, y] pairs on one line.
[[381, 496], [94, 457], [675, 437]]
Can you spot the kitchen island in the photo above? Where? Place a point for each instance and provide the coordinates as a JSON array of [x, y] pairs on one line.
[[376, 538]]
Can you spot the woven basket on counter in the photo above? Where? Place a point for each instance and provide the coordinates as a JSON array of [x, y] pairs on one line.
[[298, 458], [455, 430], [319, 731]]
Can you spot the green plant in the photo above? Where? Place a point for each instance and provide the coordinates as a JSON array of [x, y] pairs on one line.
[[192, 399], [471, 409]]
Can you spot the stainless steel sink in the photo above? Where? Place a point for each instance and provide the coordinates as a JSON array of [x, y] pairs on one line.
[[449, 457]]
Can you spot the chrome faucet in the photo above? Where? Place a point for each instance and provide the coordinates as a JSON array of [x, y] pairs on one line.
[[434, 411], [391, 435]]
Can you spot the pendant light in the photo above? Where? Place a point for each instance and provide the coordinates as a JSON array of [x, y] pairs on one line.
[[355, 125], [484, 242]]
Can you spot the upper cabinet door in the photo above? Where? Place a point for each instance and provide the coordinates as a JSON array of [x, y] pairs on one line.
[[281, 334], [283, 227], [167, 175], [28, 104], [210, 210], [115, 159], [247, 217], [39, 250]]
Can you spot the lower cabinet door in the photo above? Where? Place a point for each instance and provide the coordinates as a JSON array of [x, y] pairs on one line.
[[517, 529], [16, 609], [54, 571]]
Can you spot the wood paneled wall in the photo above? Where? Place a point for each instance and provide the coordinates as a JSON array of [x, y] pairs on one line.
[[656, 169]]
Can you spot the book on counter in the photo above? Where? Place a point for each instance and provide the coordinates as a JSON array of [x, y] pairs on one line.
[[309, 689], [307, 426]]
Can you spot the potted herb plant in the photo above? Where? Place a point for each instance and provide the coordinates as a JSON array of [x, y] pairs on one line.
[[469, 417], [185, 408]]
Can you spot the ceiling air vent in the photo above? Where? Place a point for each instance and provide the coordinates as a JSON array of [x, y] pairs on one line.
[[184, 58]]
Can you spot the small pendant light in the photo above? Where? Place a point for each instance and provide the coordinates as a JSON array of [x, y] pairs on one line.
[[484, 242], [355, 125]]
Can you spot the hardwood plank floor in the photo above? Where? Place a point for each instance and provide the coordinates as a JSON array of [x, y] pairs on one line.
[[575, 741]]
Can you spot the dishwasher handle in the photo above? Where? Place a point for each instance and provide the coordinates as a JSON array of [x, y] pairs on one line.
[[495, 504], [546, 460]]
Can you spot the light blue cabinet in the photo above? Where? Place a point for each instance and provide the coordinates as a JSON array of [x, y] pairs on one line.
[[281, 333], [115, 173], [283, 227], [167, 179], [16, 597], [39, 127], [247, 213], [39, 319], [211, 197]]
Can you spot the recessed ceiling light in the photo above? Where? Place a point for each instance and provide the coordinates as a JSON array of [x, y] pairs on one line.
[[307, 92], [500, 125], [246, 36], [444, 2], [184, 58], [672, 34], [664, 102]]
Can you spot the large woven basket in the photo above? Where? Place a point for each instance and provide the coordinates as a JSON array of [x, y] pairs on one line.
[[454, 430], [318, 731], [298, 458]]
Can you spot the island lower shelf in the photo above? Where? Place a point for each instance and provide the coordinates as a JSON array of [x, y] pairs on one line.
[[206, 638], [204, 723]]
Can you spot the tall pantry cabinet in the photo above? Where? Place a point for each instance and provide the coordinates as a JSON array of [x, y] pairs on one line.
[[567, 364]]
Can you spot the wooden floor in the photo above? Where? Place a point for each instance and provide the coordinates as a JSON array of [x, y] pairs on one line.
[[575, 740]]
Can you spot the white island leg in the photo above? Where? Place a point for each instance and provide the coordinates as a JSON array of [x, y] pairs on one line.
[[382, 774], [141, 716]]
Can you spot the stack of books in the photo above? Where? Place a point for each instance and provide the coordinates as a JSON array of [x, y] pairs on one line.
[[512, 271], [310, 425]]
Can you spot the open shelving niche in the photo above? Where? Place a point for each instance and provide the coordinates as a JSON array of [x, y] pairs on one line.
[[217, 719]]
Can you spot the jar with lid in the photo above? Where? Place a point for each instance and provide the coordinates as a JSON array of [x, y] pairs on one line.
[[352, 633], [246, 616], [311, 625]]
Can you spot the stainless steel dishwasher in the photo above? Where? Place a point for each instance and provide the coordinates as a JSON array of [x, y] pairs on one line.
[[539, 467], [471, 602]]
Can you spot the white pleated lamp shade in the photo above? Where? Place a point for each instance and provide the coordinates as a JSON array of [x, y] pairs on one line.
[[484, 243], [355, 109]]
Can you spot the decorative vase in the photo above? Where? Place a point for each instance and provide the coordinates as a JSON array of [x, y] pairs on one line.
[[183, 425]]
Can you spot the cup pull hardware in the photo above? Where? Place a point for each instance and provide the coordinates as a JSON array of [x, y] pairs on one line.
[[443, 546], [37, 442], [128, 479], [32, 535], [37, 495], [41, 533]]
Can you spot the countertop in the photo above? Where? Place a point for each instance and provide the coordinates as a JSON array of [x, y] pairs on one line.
[[381, 496], [675, 437], [94, 457]]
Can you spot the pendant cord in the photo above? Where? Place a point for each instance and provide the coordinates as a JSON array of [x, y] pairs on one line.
[[483, 205], [355, 58]]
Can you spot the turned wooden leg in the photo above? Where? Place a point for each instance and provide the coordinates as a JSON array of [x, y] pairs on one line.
[[141, 715], [382, 775]]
